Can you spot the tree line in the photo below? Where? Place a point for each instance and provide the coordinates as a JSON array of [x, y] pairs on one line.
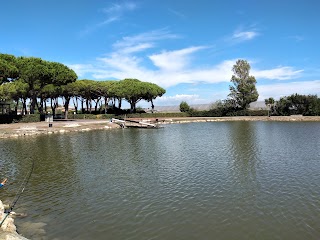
[[38, 82], [308, 105]]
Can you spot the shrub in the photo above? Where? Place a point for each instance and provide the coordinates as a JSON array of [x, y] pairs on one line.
[[184, 107], [30, 118], [155, 115]]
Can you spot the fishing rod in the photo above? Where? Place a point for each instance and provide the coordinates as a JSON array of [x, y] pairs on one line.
[[18, 194]]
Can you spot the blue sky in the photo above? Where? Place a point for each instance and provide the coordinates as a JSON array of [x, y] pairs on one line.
[[187, 47]]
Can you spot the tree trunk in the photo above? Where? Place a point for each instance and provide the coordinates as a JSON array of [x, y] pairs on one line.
[[66, 107], [96, 105], [105, 105], [87, 105], [119, 103], [54, 104], [132, 106], [152, 106], [16, 107], [24, 107], [33, 104], [40, 105], [113, 103], [45, 105], [75, 103], [82, 105]]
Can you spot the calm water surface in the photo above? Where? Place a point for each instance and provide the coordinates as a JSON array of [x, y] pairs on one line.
[[222, 180]]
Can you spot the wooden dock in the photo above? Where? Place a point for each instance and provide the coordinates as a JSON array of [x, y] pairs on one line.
[[126, 123]]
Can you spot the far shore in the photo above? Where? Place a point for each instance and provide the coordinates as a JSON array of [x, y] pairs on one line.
[[15, 130]]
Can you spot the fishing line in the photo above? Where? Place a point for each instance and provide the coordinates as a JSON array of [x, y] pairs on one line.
[[18, 194]]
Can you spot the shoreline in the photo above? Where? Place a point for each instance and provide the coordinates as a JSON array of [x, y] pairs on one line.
[[8, 229], [16, 130]]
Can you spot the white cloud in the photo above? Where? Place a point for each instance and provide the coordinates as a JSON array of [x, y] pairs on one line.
[[82, 69], [135, 48], [146, 37], [116, 11], [245, 35], [179, 66], [177, 99], [113, 13], [119, 8], [279, 73], [167, 68], [285, 89], [120, 66], [174, 60], [107, 21]]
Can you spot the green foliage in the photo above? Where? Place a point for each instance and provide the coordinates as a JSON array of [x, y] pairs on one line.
[[30, 118], [313, 108], [298, 104], [151, 92], [243, 92], [8, 68], [269, 101], [36, 81], [34, 71], [61, 74], [184, 107], [246, 112], [220, 113], [155, 115], [133, 91]]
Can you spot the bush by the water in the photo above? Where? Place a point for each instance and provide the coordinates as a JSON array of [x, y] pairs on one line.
[[30, 118], [156, 115], [184, 107], [307, 105], [230, 113]]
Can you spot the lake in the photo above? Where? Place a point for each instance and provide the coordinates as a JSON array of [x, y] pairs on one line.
[[217, 180]]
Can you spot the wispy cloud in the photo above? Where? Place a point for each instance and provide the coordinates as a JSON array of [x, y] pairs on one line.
[[112, 14], [177, 13], [174, 60], [243, 36], [116, 9], [107, 21], [146, 37], [278, 73]]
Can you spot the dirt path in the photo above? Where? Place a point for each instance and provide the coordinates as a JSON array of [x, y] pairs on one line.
[[31, 129]]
